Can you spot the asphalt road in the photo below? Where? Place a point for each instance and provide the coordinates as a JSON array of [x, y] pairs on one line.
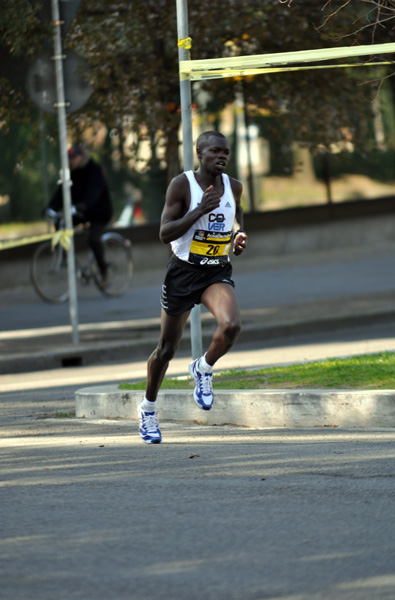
[[260, 283], [90, 512]]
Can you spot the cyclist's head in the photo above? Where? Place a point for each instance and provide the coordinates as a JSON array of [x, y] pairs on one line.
[[75, 150], [78, 156]]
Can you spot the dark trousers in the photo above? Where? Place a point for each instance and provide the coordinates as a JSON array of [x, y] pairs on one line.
[[96, 230]]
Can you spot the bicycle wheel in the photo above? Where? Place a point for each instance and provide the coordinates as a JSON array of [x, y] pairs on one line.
[[118, 253], [48, 272]]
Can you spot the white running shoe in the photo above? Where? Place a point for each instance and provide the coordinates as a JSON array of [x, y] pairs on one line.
[[203, 392], [149, 426]]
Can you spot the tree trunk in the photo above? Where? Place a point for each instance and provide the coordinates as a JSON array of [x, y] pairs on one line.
[[172, 154]]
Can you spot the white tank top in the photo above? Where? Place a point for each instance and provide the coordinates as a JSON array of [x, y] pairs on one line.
[[208, 241]]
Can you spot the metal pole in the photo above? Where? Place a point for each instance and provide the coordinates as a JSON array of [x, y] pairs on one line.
[[43, 156], [65, 170], [186, 121]]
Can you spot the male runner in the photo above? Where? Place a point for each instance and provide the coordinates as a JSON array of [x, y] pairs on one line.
[[202, 213]]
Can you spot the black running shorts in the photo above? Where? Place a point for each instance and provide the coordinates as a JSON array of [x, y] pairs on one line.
[[184, 284]]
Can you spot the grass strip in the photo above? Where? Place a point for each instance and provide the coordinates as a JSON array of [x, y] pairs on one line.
[[366, 371]]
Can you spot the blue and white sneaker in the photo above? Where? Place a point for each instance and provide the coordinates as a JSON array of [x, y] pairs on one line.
[[203, 392], [149, 426]]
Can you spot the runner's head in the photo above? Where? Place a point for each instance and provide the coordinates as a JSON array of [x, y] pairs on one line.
[[213, 152], [203, 139]]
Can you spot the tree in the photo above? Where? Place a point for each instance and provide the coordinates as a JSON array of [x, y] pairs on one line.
[[132, 51], [374, 19], [360, 22]]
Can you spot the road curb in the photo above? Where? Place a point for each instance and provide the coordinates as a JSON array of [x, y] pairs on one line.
[[249, 408]]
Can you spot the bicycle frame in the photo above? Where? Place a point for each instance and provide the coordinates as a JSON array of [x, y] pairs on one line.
[[49, 267]]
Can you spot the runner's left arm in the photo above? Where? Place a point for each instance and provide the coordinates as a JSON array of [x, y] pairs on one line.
[[240, 237]]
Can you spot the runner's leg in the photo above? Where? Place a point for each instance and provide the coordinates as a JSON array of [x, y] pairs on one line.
[[170, 337], [221, 300]]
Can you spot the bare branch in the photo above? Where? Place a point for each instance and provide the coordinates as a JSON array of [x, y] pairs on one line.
[[376, 81], [333, 13], [379, 15]]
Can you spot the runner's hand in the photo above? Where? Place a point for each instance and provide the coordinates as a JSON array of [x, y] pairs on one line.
[[239, 242], [210, 200]]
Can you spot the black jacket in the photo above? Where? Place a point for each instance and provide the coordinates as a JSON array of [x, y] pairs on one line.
[[89, 193]]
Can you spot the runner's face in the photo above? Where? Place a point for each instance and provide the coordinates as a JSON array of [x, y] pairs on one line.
[[214, 156]]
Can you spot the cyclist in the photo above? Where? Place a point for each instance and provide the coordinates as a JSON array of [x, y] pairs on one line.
[[91, 198]]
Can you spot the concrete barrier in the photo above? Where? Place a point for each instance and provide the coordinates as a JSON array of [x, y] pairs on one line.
[[249, 408]]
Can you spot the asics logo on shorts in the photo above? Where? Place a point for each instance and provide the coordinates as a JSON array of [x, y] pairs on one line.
[[210, 261]]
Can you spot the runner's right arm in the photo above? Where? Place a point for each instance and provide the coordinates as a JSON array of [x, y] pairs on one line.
[[176, 220]]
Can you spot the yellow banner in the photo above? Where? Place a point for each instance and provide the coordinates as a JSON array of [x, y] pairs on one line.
[[255, 64], [63, 236], [219, 73]]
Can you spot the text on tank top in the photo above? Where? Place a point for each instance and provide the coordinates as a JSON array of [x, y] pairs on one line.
[[208, 241]]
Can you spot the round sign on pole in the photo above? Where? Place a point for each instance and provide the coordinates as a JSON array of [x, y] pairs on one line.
[[41, 82]]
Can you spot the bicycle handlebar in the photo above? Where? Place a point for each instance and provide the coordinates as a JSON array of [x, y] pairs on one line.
[[59, 215], [52, 214]]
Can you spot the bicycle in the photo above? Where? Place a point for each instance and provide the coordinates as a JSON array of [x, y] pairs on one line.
[[49, 270]]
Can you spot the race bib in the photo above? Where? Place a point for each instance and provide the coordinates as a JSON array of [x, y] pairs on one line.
[[210, 248]]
